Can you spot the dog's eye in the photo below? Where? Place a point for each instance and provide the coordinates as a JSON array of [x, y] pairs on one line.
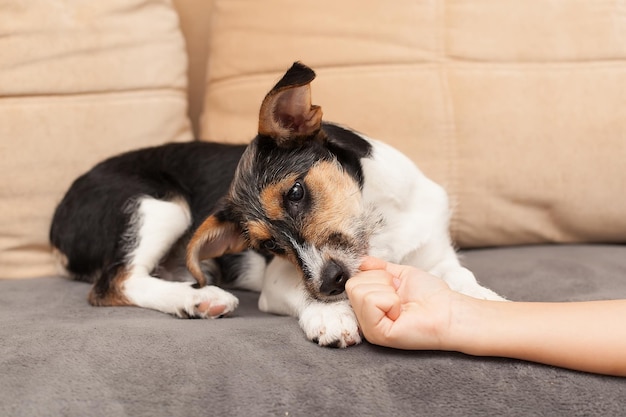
[[296, 193], [269, 244], [296, 200]]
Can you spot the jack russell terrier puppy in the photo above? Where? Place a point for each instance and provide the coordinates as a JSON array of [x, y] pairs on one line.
[[290, 215]]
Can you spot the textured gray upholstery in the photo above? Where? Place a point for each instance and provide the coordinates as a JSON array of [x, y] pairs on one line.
[[60, 356]]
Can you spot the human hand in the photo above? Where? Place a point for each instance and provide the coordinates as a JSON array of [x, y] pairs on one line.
[[403, 307], [400, 306]]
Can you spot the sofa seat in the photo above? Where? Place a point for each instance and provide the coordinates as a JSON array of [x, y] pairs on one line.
[[67, 358]]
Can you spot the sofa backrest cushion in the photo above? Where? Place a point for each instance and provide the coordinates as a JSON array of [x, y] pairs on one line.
[[79, 81], [516, 108]]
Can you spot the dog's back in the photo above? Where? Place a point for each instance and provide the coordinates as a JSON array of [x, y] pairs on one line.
[[90, 225]]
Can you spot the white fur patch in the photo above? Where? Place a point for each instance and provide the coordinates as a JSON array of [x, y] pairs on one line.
[[177, 298], [283, 290], [156, 226], [414, 208]]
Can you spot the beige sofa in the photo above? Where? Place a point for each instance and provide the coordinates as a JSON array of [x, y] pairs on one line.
[[517, 108]]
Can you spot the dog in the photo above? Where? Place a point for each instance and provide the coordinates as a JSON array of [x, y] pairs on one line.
[[290, 215]]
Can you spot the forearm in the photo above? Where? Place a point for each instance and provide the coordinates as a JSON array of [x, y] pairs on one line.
[[587, 336]]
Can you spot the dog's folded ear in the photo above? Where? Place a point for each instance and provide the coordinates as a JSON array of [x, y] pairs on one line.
[[286, 114], [213, 238]]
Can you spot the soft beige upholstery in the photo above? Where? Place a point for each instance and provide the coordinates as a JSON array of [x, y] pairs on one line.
[[79, 81], [516, 107], [195, 23]]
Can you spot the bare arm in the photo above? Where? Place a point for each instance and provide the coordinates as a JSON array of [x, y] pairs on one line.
[[587, 336], [409, 309]]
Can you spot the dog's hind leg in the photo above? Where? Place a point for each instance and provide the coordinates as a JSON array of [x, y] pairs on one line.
[[155, 227]]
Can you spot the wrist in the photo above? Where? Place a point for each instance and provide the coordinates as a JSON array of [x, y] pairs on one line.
[[467, 321]]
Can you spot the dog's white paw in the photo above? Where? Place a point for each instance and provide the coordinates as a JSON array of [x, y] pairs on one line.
[[209, 302], [330, 324]]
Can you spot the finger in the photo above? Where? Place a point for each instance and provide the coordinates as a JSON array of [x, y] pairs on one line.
[[396, 270], [379, 306], [372, 302], [358, 294], [360, 291]]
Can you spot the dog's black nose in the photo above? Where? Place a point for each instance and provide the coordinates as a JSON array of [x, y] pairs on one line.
[[334, 277]]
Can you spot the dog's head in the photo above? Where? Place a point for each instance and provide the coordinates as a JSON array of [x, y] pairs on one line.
[[296, 194]]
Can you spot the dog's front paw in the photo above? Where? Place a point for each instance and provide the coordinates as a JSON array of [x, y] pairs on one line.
[[209, 302], [330, 324]]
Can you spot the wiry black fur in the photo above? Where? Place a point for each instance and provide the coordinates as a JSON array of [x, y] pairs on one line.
[[298, 74], [349, 148], [89, 223]]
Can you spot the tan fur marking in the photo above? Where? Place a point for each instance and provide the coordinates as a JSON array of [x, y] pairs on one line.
[[114, 296], [272, 197], [212, 239], [337, 199], [258, 231]]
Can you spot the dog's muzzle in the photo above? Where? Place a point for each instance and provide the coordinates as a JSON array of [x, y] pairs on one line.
[[334, 277]]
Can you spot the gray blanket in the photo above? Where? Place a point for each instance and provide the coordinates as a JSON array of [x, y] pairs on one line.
[[61, 357]]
